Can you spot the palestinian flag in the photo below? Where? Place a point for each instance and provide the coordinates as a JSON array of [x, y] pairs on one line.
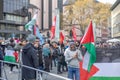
[[53, 28], [61, 38], [37, 33], [74, 34], [90, 55], [9, 56], [30, 24], [107, 71]]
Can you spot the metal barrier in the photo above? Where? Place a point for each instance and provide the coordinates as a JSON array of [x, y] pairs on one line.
[[38, 72]]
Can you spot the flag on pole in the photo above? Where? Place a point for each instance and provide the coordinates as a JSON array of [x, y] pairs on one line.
[[9, 56], [30, 24], [38, 34], [90, 55], [61, 37], [85, 75], [107, 71], [53, 28], [57, 28], [74, 34], [94, 30], [34, 30]]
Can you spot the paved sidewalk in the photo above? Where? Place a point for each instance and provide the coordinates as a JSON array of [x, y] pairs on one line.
[[15, 74]]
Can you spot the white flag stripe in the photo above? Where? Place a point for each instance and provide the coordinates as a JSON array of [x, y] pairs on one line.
[[108, 69], [34, 17], [86, 60], [9, 53], [30, 28]]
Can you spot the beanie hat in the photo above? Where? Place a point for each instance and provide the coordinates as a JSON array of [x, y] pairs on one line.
[[31, 38], [72, 43]]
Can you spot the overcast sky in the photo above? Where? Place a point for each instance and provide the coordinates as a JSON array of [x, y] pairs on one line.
[[107, 1]]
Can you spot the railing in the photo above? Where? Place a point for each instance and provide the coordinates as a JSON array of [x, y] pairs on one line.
[[38, 72]]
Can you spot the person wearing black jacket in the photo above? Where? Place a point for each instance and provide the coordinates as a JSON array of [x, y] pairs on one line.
[[1, 56], [38, 48], [29, 58], [58, 56]]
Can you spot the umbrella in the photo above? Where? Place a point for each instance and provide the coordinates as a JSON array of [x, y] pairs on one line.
[[113, 40]]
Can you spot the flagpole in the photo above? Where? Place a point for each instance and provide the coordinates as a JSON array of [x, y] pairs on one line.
[[57, 29], [94, 30]]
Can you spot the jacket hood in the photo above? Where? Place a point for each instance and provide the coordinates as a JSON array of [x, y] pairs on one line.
[[28, 46]]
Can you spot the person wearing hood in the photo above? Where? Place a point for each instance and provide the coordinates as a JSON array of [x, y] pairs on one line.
[[29, 58], [73, 56], [46, 54]]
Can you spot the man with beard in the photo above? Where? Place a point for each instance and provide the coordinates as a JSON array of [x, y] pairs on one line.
[[38, 48], [73, 56], [29, 58]]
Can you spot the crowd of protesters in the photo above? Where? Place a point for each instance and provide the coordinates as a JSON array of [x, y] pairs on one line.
[[108, 45], [108, 52], [65, 57]]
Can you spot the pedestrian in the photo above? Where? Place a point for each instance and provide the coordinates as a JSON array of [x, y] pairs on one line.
[[46, 54], [38, 48], [73, 56], [51, 50], [19, 46], [29, 58], [57, 57], [9, 56], [54, 54], [1, 56], [64, 64]]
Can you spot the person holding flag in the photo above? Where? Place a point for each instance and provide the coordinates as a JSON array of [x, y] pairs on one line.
[[31, 23], [87, 68], [34, 29], [73, 56]]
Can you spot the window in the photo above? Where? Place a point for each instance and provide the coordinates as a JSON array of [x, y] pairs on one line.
[[14, 18], [14, 6], [2, 27]]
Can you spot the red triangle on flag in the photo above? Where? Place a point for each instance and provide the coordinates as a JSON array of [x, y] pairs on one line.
[[61, 37], [53, 28], [74, 34], [52, 32], [85, 75], [34, 30], [89, 36]]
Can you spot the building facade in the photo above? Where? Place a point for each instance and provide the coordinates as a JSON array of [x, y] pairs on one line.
[[115, 16], [14, 14], [13, 17], [47, 10]]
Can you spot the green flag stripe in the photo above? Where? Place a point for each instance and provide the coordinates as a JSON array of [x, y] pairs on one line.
[[104, 78], [9, 58], [31, 23], [92, 51]]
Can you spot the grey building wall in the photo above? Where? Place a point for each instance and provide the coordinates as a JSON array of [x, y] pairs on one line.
[[13, 16]]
